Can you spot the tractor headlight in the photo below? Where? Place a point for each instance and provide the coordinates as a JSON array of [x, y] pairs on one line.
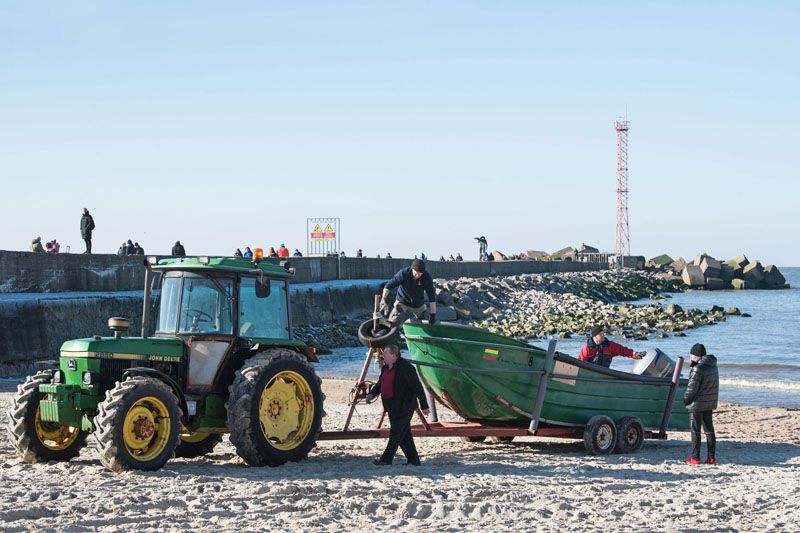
[[88, 378], [58, 376]]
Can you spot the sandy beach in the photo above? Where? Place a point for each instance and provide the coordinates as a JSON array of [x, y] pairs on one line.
[[530, 484]]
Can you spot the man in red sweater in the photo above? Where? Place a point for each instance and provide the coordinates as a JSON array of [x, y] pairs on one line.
[[600, 351]]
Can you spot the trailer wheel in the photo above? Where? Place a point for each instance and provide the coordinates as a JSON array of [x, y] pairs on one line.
[[137, 425], [472, 439], [37, 440], [600, 435], [197, 444], [275, 408], [499, 440], [379, 338], [630, 434]]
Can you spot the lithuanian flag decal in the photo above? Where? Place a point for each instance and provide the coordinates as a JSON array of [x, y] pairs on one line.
[[491, 355]]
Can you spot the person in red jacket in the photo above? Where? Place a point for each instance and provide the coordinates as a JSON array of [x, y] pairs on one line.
[[283, 251], [600, 351]]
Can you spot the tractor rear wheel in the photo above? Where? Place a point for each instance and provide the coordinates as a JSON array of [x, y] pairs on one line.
[[35, 439], [197, 444], [138, 425], [275, 408]]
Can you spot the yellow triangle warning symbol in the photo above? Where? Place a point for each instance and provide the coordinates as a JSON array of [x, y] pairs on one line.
[[317, 228], [328, 228]]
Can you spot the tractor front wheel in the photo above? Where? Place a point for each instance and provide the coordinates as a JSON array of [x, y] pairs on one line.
[[138, 425], [35, 439], [275, 408]]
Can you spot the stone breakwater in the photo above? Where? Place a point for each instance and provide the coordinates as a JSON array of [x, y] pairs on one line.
[[539, 305], [535, 306]]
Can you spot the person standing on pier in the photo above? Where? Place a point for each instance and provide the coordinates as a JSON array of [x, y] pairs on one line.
[[401, 391], [87, 225], [700, 398], [412, 283], [600, 351]]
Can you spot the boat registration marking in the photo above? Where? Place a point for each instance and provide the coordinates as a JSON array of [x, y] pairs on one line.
[[565, 369], [491, 355]]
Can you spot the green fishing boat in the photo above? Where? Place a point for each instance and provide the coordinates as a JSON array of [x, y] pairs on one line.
[[492, 379]]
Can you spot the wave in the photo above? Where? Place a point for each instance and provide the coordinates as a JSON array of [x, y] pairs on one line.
[[759, 367], [793, 386]]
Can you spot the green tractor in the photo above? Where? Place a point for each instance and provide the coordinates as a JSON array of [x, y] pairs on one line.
[[222, 360]]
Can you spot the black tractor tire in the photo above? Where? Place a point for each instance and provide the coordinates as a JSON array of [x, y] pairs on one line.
[[630, 434], [275, 408], [500, 440], [380, 338], [197, 445], [36, 440], [600, 435], [472, 439], [138, 425]]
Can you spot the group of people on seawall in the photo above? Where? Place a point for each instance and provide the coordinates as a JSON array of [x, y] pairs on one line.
[[401, 391]]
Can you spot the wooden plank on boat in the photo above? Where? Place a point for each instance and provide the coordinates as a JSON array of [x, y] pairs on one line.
[[537, 407]]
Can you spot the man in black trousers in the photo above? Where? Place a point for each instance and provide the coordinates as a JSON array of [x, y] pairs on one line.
[[400, 391]]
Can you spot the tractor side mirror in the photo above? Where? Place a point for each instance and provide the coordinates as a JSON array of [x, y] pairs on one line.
[[263, 287]]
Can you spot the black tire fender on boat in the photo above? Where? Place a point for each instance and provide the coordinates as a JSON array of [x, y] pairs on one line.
[[384, 336], [630, 434], [600, 435]]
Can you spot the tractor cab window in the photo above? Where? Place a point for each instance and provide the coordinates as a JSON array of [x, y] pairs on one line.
[[206, 306], [170, 299], [265, 316]]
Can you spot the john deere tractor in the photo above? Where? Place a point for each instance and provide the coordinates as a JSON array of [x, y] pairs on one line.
[[221, 360]]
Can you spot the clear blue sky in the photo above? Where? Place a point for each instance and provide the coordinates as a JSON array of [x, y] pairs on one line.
[[420, 124]]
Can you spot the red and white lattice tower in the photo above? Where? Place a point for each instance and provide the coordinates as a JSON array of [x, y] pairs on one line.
[[623, 236]]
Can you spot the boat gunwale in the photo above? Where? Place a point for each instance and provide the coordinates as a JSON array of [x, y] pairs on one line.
[[568, 359]]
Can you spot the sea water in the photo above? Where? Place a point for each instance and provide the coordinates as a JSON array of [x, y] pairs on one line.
[[758, 356]]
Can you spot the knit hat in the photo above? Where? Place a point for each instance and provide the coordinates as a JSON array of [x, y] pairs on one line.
[[418, 265], [596, 330], [698, 349]]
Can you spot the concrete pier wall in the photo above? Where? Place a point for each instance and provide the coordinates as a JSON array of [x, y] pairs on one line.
[[32, 272]]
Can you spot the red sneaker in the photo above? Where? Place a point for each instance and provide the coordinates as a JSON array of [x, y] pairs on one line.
[[692, 461], [710, 461]]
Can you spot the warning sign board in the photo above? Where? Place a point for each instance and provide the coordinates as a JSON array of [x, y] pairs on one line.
[[323, 236]]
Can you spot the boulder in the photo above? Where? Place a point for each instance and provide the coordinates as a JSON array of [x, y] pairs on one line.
[[711, 267], [773, 276], [498, 256], [742, 284], [678, 265], [733, 311], [714, 284], [753, 272], [741, 261], [662, 260], [445, 313], [674, 309], [693, 276], [698, 259], [726, 272]]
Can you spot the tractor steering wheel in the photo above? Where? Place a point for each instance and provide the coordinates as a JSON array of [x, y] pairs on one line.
[[199, 316]]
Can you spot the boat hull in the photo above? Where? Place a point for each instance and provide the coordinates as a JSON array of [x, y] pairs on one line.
[[494, 379]]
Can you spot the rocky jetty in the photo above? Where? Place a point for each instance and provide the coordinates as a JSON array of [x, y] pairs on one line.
[[706, 272], [540, 305]]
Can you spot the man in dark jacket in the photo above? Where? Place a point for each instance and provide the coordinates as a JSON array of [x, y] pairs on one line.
[[178, 250], [600, 351], [400, 391], [701, 397], [412, 283], [87, 225]]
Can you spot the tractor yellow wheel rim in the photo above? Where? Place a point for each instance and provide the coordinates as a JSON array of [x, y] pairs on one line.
[[53, 436], [286, 410], [195, 436], [146, 428]]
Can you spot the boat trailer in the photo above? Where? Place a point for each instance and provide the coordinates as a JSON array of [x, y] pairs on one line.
[[435, 428]]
